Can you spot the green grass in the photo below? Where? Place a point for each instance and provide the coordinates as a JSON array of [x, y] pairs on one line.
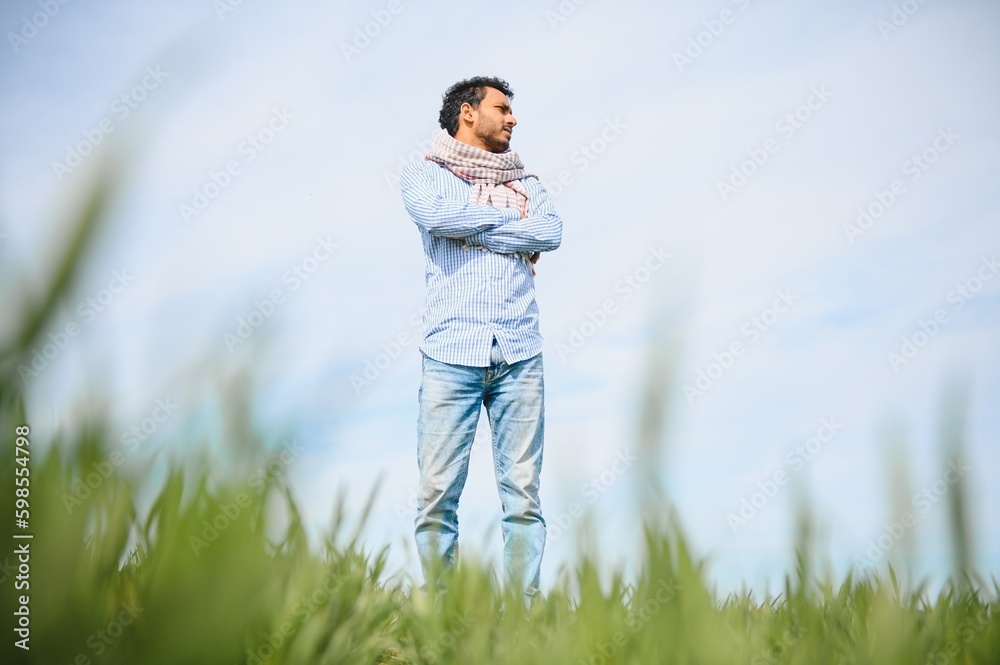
[[191, 595], [196, 579]]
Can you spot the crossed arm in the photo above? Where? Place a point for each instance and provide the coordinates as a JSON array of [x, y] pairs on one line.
[[500, 230]]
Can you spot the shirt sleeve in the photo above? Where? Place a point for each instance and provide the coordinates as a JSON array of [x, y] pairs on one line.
[[440, 217], [540, 231]]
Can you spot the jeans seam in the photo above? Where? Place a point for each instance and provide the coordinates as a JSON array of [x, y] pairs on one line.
[[496, 464]]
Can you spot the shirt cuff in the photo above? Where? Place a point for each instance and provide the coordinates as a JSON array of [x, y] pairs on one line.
[[476, 239]]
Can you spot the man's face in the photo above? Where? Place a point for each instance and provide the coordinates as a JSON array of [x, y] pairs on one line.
[[493, 122]]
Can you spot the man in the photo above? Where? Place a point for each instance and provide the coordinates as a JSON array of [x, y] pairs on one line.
[[483, 221]]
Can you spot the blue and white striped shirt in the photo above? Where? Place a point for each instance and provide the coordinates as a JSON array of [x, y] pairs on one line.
[[486, 290]]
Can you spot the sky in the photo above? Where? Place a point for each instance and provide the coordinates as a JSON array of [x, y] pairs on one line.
[[821, 177]]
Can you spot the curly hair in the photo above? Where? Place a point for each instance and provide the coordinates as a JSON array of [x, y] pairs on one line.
[[471, 91]]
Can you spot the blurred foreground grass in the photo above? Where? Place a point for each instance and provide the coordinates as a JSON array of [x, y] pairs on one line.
[[203, 584], [195, 579]]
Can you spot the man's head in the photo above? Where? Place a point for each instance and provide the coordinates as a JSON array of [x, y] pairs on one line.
[[477, 111]]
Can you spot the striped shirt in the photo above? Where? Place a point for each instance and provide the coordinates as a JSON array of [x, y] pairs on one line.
[[478, 286]]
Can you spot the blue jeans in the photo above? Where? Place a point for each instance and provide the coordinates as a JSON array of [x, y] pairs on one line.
[[450, 400]]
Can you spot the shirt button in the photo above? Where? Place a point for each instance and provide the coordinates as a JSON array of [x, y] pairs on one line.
[[465, 247], [482, 248]]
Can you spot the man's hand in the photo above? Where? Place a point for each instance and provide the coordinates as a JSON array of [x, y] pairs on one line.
[[534, 259]]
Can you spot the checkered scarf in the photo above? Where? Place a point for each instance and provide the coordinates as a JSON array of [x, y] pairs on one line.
[[494, 175]]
